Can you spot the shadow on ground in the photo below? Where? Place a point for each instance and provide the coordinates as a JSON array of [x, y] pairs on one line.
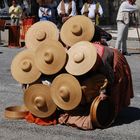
[[127, 116]]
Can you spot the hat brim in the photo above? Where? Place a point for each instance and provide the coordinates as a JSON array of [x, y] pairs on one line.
[[47, 27], [102, 112], [81, 21], [38, 100], [69, 84], [88, 54], [22, 75], [50, 57]]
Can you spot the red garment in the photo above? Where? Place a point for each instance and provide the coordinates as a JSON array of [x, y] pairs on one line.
[[41, 121], [122, 89]]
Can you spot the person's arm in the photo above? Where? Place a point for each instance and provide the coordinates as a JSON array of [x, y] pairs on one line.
[[11, 10], [40, 13], [100, 11], [73, 12], [127, 7], [59, 9]]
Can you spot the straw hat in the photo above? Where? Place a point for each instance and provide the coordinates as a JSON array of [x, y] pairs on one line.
[[16, 112], [82, 57], [40, 32], [38, 100], [66, 91], [77, 28], [23, 67], [50, 57], [102, 112]]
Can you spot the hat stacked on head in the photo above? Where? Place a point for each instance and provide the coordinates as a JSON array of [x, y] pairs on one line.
[[77, 28], [38, 100], [82, 57], [50, 57], [23, 67], [41, 32]]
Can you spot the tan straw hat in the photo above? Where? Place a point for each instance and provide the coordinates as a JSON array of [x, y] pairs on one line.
[[50, 57], [102, 112], [40, 32], [23, 67], [77, 28], [16, 112], [38, 100], [82, 57], [66, 91]]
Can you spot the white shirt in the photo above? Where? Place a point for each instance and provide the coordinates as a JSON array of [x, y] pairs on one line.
[[124, 10], [91, 10], [42, 11], [73, 12]]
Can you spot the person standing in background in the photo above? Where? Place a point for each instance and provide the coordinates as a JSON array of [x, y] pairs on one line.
[[93, 10], [66, 9], [79, 5], [15, 12], [34, 9], [123, 18], [47, 11]]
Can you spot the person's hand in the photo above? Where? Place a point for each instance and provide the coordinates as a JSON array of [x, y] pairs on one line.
[[13, 11], [102, 96]]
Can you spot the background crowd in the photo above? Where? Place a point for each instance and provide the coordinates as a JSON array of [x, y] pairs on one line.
[[57, 11]]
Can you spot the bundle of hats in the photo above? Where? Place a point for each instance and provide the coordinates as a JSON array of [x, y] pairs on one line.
[[59, 79]]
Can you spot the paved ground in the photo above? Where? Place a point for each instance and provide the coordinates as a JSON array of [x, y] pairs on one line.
[[126, 127]]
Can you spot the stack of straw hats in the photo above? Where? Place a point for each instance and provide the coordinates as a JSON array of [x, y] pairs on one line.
[[69, 74]]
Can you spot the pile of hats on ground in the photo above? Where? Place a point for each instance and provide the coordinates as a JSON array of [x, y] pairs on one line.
[[60, 79]]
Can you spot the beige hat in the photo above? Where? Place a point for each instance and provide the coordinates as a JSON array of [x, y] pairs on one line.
[[102, 112], [50, 57], [23, 67], [82, 57], [66, 91], [77, 28], [38, 100], [16, 112], [40, 32]]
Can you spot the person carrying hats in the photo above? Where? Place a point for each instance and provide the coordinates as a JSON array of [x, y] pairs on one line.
[[66, 9], [112, 64], [93, 10]]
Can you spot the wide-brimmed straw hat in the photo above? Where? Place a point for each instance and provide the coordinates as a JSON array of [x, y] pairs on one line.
[[82, 57], [77, 28], [102, 112], [23, 67], [50, 57], [66, 91], [38, 100], [40, 32]]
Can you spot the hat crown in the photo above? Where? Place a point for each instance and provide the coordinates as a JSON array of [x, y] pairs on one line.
[[41, 35], [78, 57], [48, 57], [76, 30], [26, 65], [64, 93], [39, 101]]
